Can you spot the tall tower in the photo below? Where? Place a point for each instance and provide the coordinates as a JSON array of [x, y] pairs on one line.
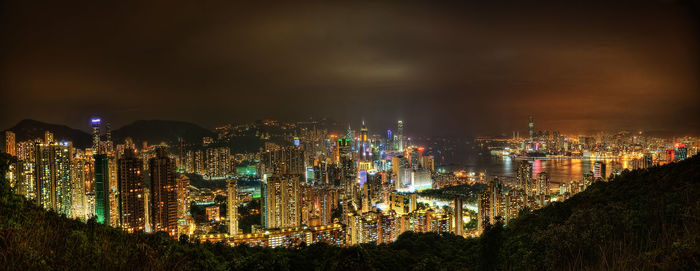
[[102, 190], [531, 126], [459, 227], [130, 186], [53, 184], [364, 144], [10, 147], [283, 201], [400, 135], [232, 205], [95, 123], [163, 193], [524, 176]]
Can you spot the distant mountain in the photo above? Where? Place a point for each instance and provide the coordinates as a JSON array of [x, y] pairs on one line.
[[156, 131], [30, 129]]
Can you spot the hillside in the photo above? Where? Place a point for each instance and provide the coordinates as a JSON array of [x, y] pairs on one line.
[[646, 219], [155, 131], [30, 129]]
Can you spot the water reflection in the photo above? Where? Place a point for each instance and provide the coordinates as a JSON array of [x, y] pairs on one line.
[[559, 170]]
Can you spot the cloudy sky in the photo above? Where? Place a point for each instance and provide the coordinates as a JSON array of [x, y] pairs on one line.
[[445, 68]]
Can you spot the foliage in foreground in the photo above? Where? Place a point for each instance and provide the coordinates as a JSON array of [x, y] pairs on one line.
[[645, 219]]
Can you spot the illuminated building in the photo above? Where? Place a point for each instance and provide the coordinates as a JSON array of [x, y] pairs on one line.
[[10, 147], [289, 160], [82, 178], [670, 155], [183, 201], [420, 179], [26, 150], [388, 231], [95, 123], [114, 213], [403, 204], [102, 189], [542, 183], [232, 207], [23, 178], [218, 163], [131, 198], [399, 134], [53, 184], [490, 204], [213, 213], [599, 170], [681, 152], [323, 201], [524, 176], [458, 222], [282, 201], [163, 199], [48, 138]]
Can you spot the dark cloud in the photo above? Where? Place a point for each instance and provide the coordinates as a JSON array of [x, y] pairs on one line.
[[448, 68]]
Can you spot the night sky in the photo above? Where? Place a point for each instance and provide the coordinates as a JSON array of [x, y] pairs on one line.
[[445, 69]]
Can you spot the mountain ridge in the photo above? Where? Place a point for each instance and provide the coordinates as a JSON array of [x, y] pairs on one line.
[[151, 131]]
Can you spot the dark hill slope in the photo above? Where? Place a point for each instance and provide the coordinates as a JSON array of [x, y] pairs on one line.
[[30, 129], [156, 131]]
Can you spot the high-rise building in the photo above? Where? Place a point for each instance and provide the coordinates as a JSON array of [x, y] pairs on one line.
[[681, 152], [95, 123], [400, 135], [282, 201], [102, 189], [163, 200], [10, 147], [542, 186], [183, 195], [82, 170], [53, 184], [458, 223], [289, 160], [130, 186], [48, 137], [599, 170], [524, 176], [232, 207]]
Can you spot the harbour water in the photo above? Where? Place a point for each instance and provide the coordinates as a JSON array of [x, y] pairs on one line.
[[559, 169]]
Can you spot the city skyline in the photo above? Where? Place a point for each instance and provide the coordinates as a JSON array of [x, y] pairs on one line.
[[445, 68], [350, 135]]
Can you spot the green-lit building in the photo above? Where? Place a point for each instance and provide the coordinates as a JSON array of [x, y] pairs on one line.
[[102, 188]]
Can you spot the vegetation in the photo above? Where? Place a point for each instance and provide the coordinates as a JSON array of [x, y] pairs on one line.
[[644, 219], [468, 192]]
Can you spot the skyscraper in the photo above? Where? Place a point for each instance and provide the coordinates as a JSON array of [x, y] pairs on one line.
[[232, 207], [53, 184], [48, 137], [458, 226], [130, 187], [283, 201], [543, 183], [102, 190], [524, 176], [95, 123], [163, 202], [10, 147], [399, 134]]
